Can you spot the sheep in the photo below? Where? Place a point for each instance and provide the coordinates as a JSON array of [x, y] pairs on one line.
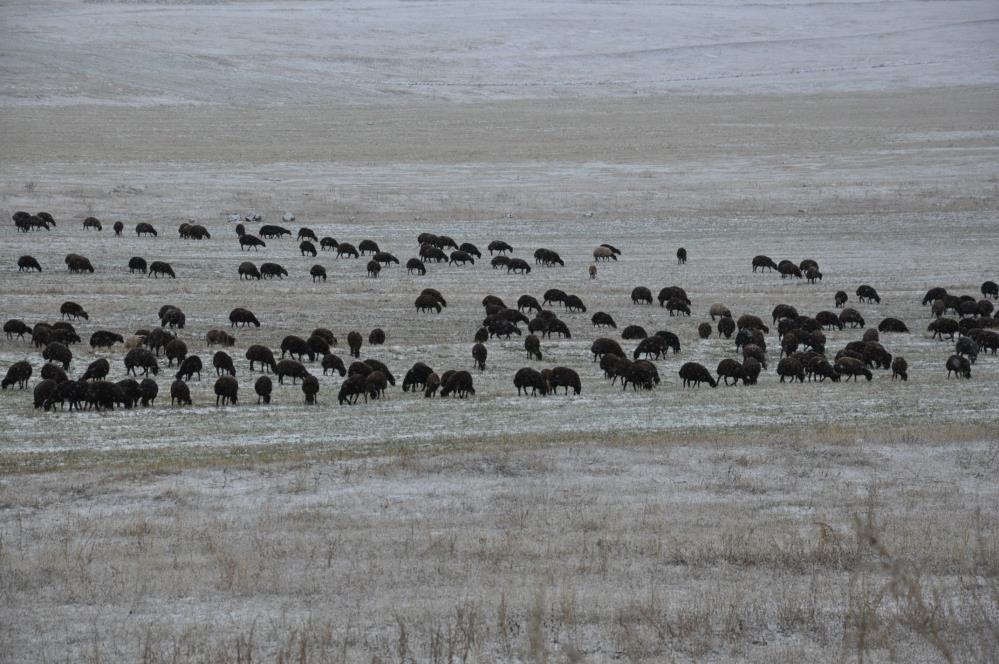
[[641, 374], [297, 346], [784, 311], [415, 265], [990, 289], [681, 256], [92, 223], [840, 299], [416, 377], [263, 387], [43, 391], [528, 378], [652, 347], [17, 327], [317, 272], [502, 328], [788, 269], [270, 231], [77, 263], [934, 294], [247, 241], [54, 372], [196, 232], [368, 247], [17, 374], [985, 308], [892, 325], [518, 265], [385, 258], [749, 321], [134, 341], [248, 270], [374, 267], [430, 253], [173, 317], [704, 330], [812, 275], [729, 368], [673, 293], [634, 332], [959, 366], [157, 339], [328, 244], [641, 295], [226, 391], [137, 264], [304, 233], [479, 354], [310, 388], [790, 367], [142, 228], [603, 346], [307, 248], [240, 230], [128, 392], [677, 306], [244, 317], [749, 336], [763, 262], [694, 373], [460, 384], [351, 389], [180, 393], [219, 338], [529, 303], [755, 352], [461, 258], [851, 317], [564, 377], [967, 347], [375, 385], [789, 344], [553, 295], [988, 340], [73, 310], [603, 254], [354, 342], [148, 389], [547, 258], [59, 353], [223, 364], [156, 268], [720, 311], [141, 358], [602, 319], [271, 270], [867, 293], [175, 350], [346, 249], [331, 362], [290, 368], [574, 303], [751, 368], [190, 366], [852, 368], [899, 368], [942, 326], [614, 250], [427, 303], [500, 247], [470, 249], [533, 347], [436, 294], [326, 334], [28, 263], [592, 270]]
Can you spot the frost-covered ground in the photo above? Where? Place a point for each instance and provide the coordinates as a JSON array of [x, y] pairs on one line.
[[812, 522]]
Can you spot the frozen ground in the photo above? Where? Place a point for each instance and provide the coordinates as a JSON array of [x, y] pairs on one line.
[[813, 522]]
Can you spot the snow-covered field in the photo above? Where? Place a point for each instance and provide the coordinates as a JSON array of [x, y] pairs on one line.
[[815, 522]]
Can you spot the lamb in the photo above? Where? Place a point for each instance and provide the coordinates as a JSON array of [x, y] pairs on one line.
[[681, 256]]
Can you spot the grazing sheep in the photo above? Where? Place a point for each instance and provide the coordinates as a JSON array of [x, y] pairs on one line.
[[148, 389], [673, 293], [157, 339], [291, 368], [417, 266], [574, 303], [17, 374], [502, 328], [942, 326], [77, 263], [43, 391], [529, 303], [28, 263], [180, 393], [459, 384], [641, 295], [118, 228], [219, 338], [603, 346], [368, 247], [141, 358], [310, 388], [156, 268], [564, 377], [681, 256], [518, 265], [751, 368], [190, 366], [317, 272], [105, 339], [789, 344], [694, 373], [427, 302], [530, 379], [784, 311], [500, 247], [223, 364], [58, 353], [461, 257], [533, 347], [720, 311], [436, 294], [851, 317], [482, 335], [726, 327], [634, 332], [431, 253], [271, 270], [749, 321], [553, 295], [990, 289], [603, 253], [788, 269], [899, 368], [601, 319], [704, 330], [328, 244], [934, 294], [654, 347], [244, 317], [470, 249], [967, 347], [92, 223], [840, 298], [959, 366], [142, 228], [297, 346], [892, 325], [676, 306], [376, 337], [729, 368], [196, 232], [175, 350], [867, 293], [829, 319], [852, 368], [790, 367], [416, 377], [346, 249], [547, 258], [304, 233], [16, 326], [307, 248], [354, 341], [248, 270], [592, 270], [240, 230], [247, 241], [226, 391], [270, 231], [374, 267], [173, 317], [479, 354], [331, 362], [262, 355], [73, 310], [812, 275], [763, 262], [988, 341], [385, 258], [137, 264], [756, 352], [352, 388], [640, 375]]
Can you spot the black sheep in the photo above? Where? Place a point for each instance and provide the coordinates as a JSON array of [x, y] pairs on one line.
[[479, 354], [263, 387], [17, 374], [226, 391], [191, 365], [180, 393], [222, 362], [693, 374]]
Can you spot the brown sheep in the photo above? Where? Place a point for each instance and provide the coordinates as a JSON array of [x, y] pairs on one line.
[[219, 338]]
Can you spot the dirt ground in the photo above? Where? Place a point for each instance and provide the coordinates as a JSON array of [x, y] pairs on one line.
[[815, 522]]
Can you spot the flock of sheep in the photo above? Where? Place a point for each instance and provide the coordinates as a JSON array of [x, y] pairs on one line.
[[966, 320]]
